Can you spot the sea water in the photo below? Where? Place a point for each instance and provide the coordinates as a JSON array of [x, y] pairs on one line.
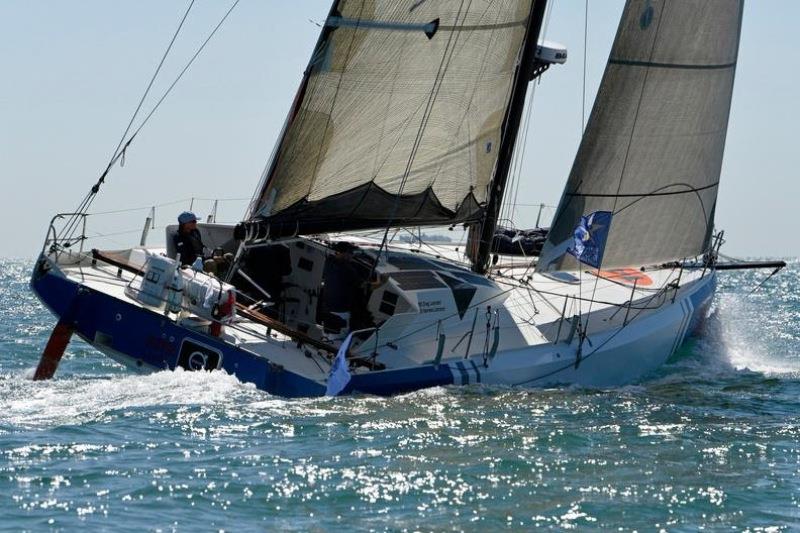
[[709, 441]]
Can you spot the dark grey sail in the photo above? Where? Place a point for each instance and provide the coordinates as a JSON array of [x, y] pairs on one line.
[[643, 186], [399, 118]]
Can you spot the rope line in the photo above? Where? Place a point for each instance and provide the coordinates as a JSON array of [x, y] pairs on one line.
[[185, 68], [146, 92], [89, 198], [599, 346]]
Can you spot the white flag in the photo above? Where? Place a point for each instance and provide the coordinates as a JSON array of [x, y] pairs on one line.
[[340, 373]]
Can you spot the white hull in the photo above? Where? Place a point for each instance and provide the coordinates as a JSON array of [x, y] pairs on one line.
[[613, 358], [514, 333]]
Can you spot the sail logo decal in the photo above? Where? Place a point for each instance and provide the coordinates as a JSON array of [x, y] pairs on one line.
[[647, 16], [589, 238]]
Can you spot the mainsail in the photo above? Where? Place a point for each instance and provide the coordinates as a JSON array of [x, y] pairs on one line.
[[646, 174], [399, 117]]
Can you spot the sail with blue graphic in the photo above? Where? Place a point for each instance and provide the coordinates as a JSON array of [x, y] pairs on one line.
[[654, 143]]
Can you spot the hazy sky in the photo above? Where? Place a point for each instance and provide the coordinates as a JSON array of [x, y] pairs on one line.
[[71, 74]]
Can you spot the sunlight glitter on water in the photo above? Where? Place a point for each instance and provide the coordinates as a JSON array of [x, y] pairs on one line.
[[704, 442]]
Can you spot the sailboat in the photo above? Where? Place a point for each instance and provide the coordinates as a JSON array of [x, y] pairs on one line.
[[407, 116]]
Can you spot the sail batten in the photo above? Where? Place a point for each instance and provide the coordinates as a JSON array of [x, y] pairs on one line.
[[653, 64], [401, 104], [652, 151], [688, 190]]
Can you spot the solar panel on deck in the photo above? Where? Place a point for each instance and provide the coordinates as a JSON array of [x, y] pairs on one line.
[[448, 266], [418, 280], [405, 262]]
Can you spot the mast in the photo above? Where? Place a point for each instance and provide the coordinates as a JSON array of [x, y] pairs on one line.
[[512, 121]]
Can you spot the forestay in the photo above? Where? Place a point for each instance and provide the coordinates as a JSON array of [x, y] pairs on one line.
[[652, 150], [398, 119]]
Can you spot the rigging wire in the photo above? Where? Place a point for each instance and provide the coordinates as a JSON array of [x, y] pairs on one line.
[[630, 140], [185, 68], [508, 209], [123, 144], [166, 204], [581, 327], [757, 287], [520, 283], [115, 154], [639, 311], [147, 89]]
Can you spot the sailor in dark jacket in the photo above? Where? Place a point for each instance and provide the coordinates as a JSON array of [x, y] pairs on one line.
[[187, 240]]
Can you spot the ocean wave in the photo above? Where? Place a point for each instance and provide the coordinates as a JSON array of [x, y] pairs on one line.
[[82, 399]]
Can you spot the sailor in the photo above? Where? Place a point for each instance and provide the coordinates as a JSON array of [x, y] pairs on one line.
[[187, 240]]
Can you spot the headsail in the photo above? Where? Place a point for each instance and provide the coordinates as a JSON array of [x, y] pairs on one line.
[[399, 117], [652, 151]]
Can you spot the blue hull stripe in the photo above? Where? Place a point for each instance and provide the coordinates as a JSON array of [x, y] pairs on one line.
[[463, 371], [477, 372]]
